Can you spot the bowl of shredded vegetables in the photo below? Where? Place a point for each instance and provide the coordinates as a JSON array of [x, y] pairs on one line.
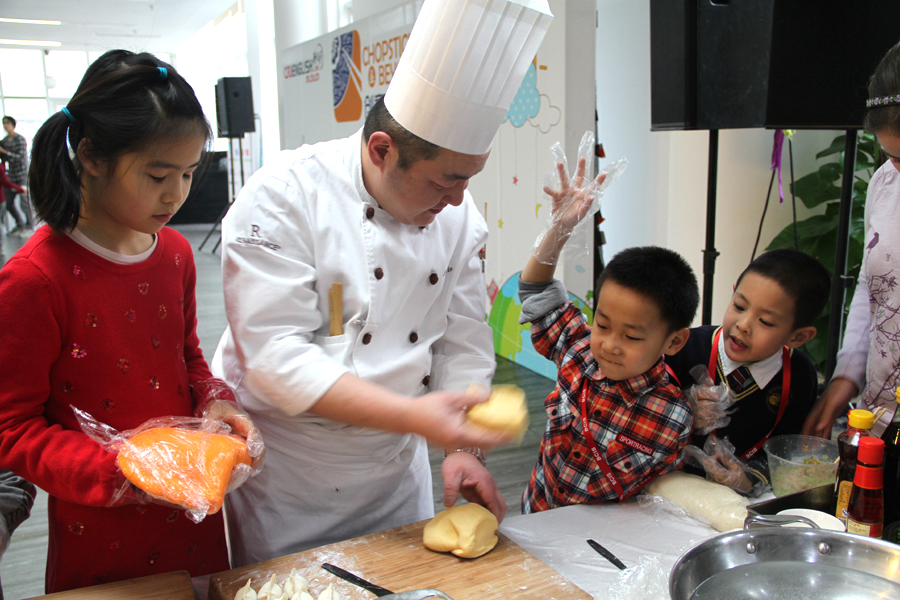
[[800, 462]]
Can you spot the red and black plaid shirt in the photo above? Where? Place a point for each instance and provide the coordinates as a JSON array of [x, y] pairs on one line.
[[639, 425]]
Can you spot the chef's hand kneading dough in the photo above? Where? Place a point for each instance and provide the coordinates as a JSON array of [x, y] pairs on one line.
[[724, 508], [466, 531], [504, 411], [185, 467]]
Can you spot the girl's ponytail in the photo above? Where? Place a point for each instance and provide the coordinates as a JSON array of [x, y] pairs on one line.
[[53, 180], [124, 102]]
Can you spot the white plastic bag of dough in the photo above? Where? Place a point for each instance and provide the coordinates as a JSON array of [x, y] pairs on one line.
[[246, 592], [713, 503]]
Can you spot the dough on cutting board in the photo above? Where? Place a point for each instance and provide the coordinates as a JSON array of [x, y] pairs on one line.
[[246, 592], [504, 411], [330, 593], [466, 530], [721, 506], [270, 590], [295, 584]]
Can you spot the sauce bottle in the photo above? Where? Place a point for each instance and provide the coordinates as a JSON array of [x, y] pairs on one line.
[[865, 515], [860, 424], [891, 437]]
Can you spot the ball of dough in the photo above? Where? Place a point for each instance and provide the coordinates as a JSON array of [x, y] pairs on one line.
[[466, 530], [504, 411]]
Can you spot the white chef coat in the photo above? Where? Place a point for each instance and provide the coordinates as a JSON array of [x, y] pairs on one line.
[[414, 304]]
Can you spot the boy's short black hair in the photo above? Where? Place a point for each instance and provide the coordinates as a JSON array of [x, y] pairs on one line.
[[660, 275], [801, 276]]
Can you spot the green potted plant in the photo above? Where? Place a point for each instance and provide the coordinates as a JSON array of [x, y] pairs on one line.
[[817, 235]]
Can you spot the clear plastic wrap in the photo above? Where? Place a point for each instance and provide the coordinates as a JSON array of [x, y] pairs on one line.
[[648, 580], [188, 462], [718, 460], [710, 403], [572, 201]]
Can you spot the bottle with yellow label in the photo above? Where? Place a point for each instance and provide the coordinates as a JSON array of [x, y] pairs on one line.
[[860, 424]]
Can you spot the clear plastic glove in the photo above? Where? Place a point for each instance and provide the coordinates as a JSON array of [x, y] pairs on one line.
[[571, 202], [230, 414], [710, 403], [185, 462], [717, 459]]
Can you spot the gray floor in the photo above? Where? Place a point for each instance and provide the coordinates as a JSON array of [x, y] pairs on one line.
[[22, 567]]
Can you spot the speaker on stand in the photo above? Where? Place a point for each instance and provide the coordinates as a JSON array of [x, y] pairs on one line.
[[234, 119], [709, 63], [779, 64]]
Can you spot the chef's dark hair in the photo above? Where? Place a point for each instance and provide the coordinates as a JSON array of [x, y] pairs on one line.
[[125, 102], [11, 120], [659, 275], [802, 277], [410, 147]]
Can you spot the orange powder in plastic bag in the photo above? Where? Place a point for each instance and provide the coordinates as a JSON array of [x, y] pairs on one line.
[[185, 467]]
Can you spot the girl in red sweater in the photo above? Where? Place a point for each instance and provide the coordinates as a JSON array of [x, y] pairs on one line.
[[99, 313]]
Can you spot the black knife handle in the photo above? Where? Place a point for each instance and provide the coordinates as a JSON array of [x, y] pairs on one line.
[[607, 554], [356, 580]]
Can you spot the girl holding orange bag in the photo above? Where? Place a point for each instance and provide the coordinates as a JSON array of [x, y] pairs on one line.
[[99, 314]]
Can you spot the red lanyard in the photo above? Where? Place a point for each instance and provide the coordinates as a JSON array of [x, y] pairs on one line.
[[785, 388], [604, 466]]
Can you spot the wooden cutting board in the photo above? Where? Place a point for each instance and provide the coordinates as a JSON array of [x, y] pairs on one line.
[[168, 586], [397, 560]]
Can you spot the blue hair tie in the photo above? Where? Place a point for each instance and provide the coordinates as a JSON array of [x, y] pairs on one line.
[[66, 112], [163, 73]]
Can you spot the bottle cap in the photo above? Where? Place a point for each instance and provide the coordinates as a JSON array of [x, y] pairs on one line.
[[871, 450], [861, 419]]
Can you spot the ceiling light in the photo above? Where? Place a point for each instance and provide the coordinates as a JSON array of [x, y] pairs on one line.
[[30, 42], [29, 21]]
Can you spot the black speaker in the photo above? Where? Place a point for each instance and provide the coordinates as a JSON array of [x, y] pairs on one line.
[[709, 63], [823, 53], [234, 107]]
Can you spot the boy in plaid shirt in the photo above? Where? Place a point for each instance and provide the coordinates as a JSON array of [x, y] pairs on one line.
[[616, 418]]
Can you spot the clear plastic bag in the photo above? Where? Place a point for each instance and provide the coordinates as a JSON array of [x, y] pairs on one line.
[[710, 403], [188, 462], [577, 244], [718, 460]]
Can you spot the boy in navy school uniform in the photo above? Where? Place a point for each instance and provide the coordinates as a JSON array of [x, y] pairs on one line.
[[776, 300]]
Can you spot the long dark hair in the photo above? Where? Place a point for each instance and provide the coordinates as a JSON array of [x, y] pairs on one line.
[[885, 82], [123, 103]]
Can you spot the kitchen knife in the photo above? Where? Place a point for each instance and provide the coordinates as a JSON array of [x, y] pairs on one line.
[[607, 554], [356, 580]]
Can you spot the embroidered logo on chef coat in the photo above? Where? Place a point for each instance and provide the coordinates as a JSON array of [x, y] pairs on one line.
[[256, 239]]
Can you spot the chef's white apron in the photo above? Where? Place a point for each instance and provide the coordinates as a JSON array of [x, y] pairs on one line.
[[324, 482]]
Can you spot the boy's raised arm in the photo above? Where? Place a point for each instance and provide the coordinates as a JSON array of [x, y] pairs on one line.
[[569, 205]]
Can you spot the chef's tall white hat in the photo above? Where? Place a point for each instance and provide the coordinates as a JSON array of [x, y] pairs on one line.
[[461, 68]]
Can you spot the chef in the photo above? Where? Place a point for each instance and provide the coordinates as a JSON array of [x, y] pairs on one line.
[[378, 231]]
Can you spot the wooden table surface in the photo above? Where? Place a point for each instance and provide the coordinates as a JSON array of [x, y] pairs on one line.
[[168, 586], [397, 560]]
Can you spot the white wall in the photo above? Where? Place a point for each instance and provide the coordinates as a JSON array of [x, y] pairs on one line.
[[661, 198]]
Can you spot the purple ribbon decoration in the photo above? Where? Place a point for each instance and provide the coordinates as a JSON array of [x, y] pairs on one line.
[[776, 160]]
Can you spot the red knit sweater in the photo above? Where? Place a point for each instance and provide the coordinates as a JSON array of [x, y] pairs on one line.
[[120, 342]]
